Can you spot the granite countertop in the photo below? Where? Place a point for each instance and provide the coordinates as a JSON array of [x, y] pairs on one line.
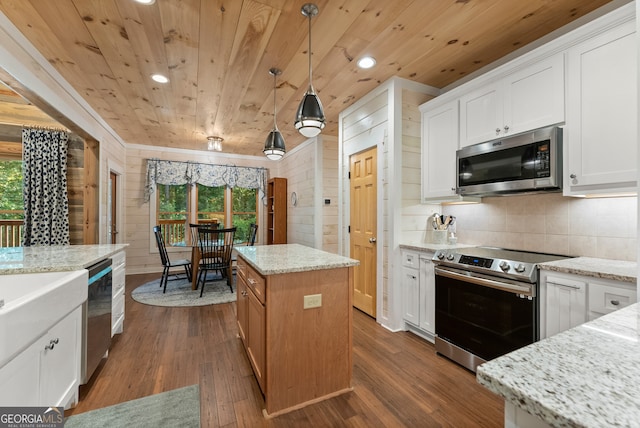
[[287, 258], [588, 376], [599, 268], [427, 246], [17, 260]]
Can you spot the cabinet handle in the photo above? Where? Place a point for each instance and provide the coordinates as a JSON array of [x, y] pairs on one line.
[[413, 277], [497, 131], [506, 128], [572, 176], [615, 302], [252, 281], [52, 344], [576, 287]]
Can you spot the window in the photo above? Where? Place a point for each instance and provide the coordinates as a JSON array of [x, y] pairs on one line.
[[177, 206], [244, 211], [11, 203]]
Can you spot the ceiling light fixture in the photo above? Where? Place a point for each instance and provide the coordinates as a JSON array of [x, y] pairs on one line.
[[214, 143], [310, 117], [274, 144], [159, 78], [366, 62]]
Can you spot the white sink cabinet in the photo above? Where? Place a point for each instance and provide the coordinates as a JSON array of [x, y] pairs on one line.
[[40, 338]]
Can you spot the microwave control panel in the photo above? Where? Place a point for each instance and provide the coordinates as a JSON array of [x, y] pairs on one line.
[[543, 159]]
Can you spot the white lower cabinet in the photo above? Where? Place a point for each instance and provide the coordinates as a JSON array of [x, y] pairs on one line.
[[568, 300], [418, 289], [565, 304], [47, 373], [118, 281]]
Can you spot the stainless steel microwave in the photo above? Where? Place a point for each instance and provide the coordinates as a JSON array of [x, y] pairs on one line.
[[529, 162]]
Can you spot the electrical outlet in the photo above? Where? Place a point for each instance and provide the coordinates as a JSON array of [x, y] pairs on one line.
[[312, 301]]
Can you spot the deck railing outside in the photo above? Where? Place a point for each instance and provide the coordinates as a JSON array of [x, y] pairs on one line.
[[11, 233], [174, 231]]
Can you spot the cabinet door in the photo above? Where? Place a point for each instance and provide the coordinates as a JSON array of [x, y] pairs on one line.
[[606, 298], [439, 145], [602, 113], [534, 96], [481, 113], [565, 304], [20, 378], [256, 337], [241, 307], [60, 360], [411, 293], [427, 295]]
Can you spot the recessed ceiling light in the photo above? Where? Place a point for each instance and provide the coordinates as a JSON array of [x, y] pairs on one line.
[[160, 78], [366, 62], [145, 1]]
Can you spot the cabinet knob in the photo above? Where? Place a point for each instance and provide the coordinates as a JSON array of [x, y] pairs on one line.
[[615, 302], [506, 128], [572, 176], [497, 131], [52, 344]]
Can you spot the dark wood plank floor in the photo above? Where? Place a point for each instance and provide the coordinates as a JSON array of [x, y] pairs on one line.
[[398, 380]]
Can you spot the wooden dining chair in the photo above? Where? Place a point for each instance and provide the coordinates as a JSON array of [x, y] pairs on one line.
[[253, 231], [167, 264], [216, 246]]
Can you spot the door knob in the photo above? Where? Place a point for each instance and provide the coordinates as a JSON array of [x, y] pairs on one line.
[[372, 240]]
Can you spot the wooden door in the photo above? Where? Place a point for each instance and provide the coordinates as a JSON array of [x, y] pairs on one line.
[[363, 225]]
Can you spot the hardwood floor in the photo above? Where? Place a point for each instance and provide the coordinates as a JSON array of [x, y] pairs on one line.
[[398, 380]]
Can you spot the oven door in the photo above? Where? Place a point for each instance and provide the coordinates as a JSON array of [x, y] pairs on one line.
[[482, 316]]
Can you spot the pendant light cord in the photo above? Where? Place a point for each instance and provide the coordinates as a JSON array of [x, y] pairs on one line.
[[310, 85], [275, 75]]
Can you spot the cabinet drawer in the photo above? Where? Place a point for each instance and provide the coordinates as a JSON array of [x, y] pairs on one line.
[[604, 299], [241, 268], [117, 260], [117, 280], [410, 259], [256, 283]]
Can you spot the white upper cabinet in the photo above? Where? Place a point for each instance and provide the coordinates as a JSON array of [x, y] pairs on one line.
[[528, 98], [439, 145], [600, 137]]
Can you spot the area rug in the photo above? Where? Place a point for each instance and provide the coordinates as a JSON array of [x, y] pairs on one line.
[[176, 408], [179, 293]]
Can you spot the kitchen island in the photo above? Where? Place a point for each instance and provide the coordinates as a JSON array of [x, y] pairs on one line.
[[295, 320], [587, 376]]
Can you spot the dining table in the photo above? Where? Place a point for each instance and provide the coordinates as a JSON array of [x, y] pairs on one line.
[[195, 263]]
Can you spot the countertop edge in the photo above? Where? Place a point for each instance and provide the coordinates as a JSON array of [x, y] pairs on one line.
[[616, 270]]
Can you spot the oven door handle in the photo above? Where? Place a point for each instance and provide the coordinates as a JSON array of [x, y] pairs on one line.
[[485, 282]]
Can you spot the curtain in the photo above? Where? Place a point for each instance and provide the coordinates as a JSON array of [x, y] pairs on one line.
[[176, 173], [46, 205]]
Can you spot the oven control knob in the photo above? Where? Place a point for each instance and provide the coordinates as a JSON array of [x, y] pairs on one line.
[[520, 268], [440, 255], [505, 266], [450, 257]]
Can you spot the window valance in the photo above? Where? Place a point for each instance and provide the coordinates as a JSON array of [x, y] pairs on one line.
[[177, 173]]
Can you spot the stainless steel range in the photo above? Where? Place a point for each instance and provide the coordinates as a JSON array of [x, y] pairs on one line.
[[486, 302]]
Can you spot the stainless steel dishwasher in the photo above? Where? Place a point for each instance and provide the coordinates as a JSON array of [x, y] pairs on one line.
[[96, 318]]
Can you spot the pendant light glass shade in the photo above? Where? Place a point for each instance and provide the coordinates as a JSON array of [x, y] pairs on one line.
[[310, 115], [274, 147]]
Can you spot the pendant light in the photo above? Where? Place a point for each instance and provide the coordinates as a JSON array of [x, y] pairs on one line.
[[274, 144], [310, 117]]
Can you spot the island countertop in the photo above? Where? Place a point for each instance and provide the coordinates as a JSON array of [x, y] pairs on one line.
[[18, 260], [287, 258], [588, 376]]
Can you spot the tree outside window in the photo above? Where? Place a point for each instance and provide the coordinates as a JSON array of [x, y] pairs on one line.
[[11, 203], [211, 203], [172, 213], [244, 211]]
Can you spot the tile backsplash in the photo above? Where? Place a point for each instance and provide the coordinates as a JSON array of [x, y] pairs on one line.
[[604, 228]]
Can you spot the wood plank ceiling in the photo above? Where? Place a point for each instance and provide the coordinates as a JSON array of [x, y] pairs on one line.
[[217, 54]]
